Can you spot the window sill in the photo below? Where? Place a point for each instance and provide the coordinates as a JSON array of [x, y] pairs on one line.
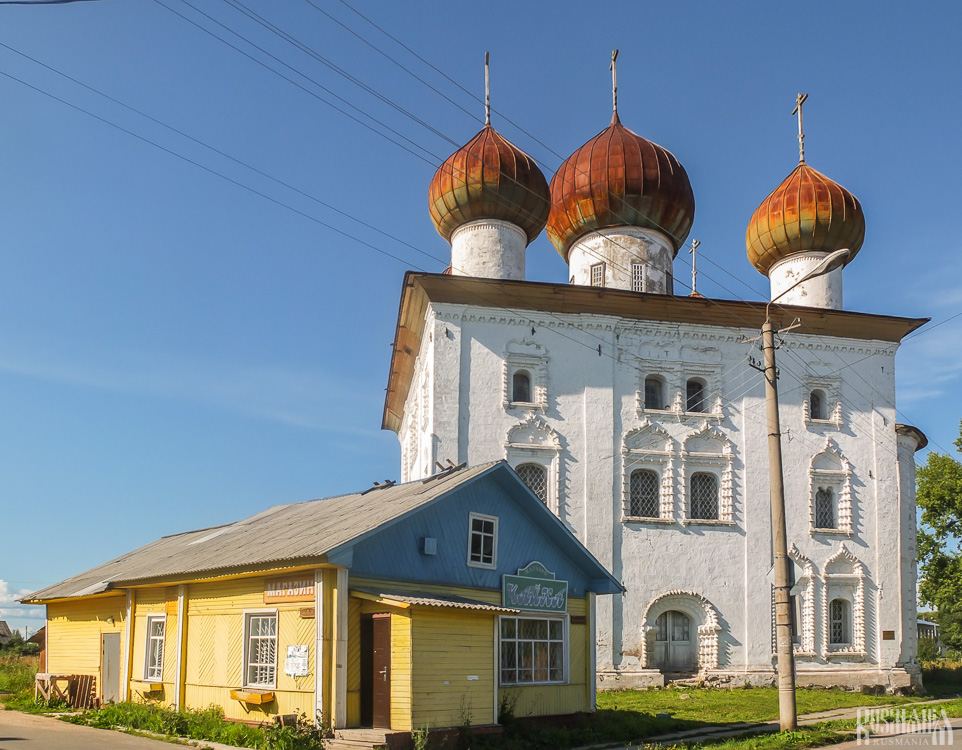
[[524, 405], [842, 653], [705, 522], [648, 519], [253, 696], [143, 686], [833, 532], [482, 566], [830, 424]]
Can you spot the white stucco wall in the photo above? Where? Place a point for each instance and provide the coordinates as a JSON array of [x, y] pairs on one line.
[[822, 291], [488, 248], [619, 248], [584, 406]]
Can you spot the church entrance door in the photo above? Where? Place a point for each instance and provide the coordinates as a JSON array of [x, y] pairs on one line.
[[673, 648]]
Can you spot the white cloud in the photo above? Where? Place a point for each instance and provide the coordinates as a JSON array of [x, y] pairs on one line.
[[18, 615]]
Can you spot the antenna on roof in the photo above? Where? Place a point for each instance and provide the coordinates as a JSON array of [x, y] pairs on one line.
[[379, 486], [444, 470], [799, 101]]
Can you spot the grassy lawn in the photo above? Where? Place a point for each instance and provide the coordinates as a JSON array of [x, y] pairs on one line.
[[723, 706]]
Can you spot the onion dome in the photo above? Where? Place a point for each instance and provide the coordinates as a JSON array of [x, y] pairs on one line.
[[616, 179], [807, 212], [489, 178]]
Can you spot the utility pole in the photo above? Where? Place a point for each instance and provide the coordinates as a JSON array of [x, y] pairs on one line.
[[787, 713]]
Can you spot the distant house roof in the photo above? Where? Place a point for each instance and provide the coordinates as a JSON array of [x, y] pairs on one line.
[[5, 633], [296, 534]]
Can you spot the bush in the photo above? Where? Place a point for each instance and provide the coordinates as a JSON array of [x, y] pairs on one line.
[[928, 650]]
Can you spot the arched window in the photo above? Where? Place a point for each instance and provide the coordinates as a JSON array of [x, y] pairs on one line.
[[536, 477], [816, 404], [840, 633], [644, 497], [521, 387], [654, 399], [825, 509], [696, 396], [703, 496]]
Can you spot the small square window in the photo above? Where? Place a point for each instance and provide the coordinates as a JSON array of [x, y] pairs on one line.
[[637, 277], [482, 541]]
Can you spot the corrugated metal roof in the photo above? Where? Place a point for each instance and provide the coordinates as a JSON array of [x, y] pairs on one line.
[[459, 602], [282, 535]]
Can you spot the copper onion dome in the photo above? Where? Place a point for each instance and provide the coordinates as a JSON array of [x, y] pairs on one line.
[[619, 178], [808, 211], [489, 178]]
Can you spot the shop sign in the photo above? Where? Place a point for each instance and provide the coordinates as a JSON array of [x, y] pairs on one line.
[[289, 589], [534, 588]]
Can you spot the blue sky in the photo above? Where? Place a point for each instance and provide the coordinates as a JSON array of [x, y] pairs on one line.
[[185, 340]]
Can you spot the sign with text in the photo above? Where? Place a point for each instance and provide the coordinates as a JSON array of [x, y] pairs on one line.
[[297, 664], [298, 588], [534, 588]]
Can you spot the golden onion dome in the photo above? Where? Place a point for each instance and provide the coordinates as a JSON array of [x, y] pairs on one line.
[[807, 212], [489, 178], [616, 179]]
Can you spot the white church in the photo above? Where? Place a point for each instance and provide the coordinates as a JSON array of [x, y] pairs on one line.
[[636, 416]]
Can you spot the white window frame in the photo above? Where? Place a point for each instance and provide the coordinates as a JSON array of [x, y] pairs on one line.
[[150, 640], [600, 269], [658, 497], [248, 616], [649, 447], [846, 623], [639, 279], [494, 542], [564, 619], [830, 389], [535, 364]]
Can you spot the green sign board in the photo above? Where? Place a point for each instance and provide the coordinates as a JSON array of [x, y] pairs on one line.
[[534, 588]]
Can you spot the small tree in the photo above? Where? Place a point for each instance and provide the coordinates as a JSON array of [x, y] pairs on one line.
[[940, 562]]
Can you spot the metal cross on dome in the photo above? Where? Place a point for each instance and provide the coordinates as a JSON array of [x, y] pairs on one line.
[[799, 101], [614, 80]]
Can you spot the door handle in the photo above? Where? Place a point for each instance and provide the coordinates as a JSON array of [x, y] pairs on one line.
[[383, 673]]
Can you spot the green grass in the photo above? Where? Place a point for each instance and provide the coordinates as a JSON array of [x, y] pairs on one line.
[[724, 706], [206, 724]]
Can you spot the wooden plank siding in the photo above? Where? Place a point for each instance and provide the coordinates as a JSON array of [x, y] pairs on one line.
[[152, 601], [449, 646], [215, 649], [401, 678], [353, 662], [74, 630], [397, 555]]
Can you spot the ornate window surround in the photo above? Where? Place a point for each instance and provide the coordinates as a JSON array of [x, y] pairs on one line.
[[840, 480], [533, 441], [831, 387], [699, 609], [721, 463], [532, 358], [649, 447], [844, 578], [805, 589], [675, 375]]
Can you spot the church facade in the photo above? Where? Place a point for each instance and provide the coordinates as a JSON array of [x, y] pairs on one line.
[[637, 417]]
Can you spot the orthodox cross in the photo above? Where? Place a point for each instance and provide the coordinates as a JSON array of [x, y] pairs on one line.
[[614, 80], [694, 272], [487, 92], [799, 101]]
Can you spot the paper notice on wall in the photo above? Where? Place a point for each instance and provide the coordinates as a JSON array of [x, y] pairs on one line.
[[296, 663]]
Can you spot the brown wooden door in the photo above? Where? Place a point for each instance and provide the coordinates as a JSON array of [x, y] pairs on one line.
[[381, 671]]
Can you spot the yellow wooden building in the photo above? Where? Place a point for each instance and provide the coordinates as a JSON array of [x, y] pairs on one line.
[[427, 604]]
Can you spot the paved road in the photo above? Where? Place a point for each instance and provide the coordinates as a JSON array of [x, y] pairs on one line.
[[27, 732]]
